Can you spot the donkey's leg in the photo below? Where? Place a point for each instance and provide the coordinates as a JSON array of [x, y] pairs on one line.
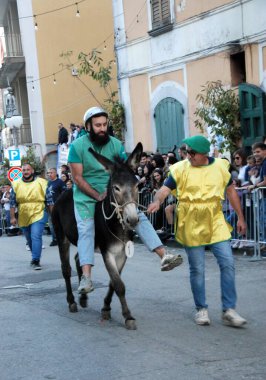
[[106, 310], [63, 245], [114, 266], [83, 298]]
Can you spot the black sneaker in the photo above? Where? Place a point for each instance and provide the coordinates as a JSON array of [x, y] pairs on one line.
[[53, 243], [35, 264]]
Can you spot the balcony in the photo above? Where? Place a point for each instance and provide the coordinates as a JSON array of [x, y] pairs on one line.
[[14, 60]]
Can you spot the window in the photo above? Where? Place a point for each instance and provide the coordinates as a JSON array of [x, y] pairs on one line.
[[161, 17]]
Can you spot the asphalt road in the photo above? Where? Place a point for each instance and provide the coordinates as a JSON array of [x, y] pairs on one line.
[[40, 339]]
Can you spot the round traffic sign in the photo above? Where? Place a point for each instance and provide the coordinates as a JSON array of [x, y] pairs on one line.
[[14, 173]]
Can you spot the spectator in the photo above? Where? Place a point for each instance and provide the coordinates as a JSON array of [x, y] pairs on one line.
[[182, 152], [69, 184], [157, 179], [5, 201], [240, 161], [81, 131], [143, 159], [56, 186], [64, 177], [31, 194], [252, 173], [62, 134], [73, 133], [259, 151], [65, 168]]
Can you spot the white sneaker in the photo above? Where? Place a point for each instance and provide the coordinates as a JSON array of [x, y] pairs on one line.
[[27, 247], [85, 285], [202, 317], [231, 318], [170, 261], [43, 246]]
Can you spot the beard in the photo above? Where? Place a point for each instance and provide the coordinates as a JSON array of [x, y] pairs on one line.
[[101, 139]]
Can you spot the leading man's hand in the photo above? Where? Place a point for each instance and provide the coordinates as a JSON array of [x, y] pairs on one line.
[[241, 227], [153, 207]]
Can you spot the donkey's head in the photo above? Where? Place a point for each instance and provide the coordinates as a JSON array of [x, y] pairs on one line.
[[123, 185]]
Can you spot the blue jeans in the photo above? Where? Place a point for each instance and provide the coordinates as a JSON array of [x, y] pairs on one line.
[[86, 232], [33, 234], [196, 258]]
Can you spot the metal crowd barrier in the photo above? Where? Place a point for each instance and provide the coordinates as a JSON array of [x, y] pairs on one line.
[[254, 209]]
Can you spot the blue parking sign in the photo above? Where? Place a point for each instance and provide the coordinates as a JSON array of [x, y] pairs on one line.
[[14, 157]]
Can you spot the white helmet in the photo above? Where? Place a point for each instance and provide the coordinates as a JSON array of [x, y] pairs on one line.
[[93, 111]]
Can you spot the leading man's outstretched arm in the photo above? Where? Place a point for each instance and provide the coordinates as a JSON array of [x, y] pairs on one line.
[[159, 197]]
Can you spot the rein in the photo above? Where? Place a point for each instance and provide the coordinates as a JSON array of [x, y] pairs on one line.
[[118, 209]]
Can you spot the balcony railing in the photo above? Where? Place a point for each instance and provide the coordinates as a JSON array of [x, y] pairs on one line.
[[13, 45]]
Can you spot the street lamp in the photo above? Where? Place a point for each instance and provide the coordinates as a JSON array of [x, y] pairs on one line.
[[14, 123], [13, 120]]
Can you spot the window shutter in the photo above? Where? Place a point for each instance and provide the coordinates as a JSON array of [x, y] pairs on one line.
[[160, 13]]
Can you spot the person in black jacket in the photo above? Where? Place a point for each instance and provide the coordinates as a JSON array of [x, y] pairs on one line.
[[62, 134]]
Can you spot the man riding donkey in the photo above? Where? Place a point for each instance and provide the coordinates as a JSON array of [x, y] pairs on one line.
[[90, 180]]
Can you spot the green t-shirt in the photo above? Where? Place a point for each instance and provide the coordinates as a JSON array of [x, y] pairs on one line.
[[93, 172]]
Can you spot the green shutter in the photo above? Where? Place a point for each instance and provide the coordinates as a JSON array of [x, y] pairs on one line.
[[252, 113], [169, 122]]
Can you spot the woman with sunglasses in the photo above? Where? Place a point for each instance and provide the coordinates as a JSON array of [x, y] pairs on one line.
[[240, 162], [201, 183]]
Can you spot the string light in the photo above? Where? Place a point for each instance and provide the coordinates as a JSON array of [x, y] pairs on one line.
[[77, 13], [35, 23]]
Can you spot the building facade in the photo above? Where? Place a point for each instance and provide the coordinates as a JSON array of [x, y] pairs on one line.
[[168, 49], [42, 43]]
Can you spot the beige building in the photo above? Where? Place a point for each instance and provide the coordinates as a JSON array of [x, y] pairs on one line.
[[168, 49], [46, 86]]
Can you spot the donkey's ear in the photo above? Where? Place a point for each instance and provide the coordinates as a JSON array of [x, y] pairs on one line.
[[103, 160], [134, 158]]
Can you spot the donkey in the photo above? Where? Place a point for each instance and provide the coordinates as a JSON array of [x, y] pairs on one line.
[[115, 218]]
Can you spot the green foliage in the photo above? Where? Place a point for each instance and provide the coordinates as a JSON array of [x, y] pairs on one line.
[[33, 160], [93, 66], [218, 109]]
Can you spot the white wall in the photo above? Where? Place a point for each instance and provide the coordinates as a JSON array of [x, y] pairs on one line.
[[32, 72]]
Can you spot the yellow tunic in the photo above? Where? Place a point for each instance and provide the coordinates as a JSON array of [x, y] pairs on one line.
[[200, 191], [30, 197]]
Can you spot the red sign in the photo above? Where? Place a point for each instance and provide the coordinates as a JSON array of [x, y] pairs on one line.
[[14, 173]]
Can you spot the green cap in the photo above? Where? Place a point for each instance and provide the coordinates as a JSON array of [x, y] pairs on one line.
[[198, 143]]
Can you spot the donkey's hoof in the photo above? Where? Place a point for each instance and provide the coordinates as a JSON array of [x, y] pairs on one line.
[[131, 324], [106, 314], [73, 308], [83, 300]]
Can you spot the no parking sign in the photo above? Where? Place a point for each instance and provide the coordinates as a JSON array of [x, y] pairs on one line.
[[14, 173]]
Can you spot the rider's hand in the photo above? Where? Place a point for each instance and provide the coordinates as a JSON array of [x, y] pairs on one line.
[[102, 196]]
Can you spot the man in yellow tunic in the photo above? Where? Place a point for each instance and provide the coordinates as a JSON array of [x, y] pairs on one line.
[[30, 195], [201, 182]]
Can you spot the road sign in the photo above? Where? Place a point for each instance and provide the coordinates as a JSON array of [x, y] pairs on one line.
[[14, 173], [14, 157]]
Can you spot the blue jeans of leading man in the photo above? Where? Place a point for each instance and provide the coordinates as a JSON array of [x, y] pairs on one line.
[[86, 232], [33, 234], [223, 254]]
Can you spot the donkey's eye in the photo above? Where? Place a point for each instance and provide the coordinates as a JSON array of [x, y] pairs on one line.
[[116, 188]]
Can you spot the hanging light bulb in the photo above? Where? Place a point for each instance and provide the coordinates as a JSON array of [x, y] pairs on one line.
[[35, 23], [77, 13], [137, 18], [54, 79], [105, 47], [33, 88]]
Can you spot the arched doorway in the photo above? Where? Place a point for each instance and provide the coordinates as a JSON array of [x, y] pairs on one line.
[[169, 124]]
